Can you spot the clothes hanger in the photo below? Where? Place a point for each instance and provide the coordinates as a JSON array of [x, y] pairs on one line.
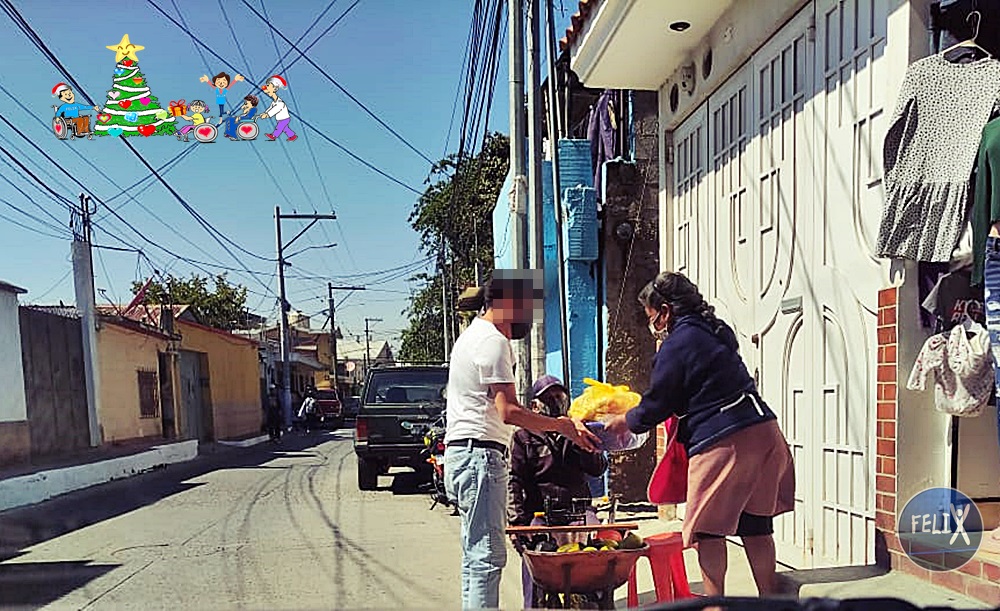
[[971, 42]]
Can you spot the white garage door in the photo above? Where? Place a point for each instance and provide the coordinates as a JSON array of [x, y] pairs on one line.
[[776, 203]]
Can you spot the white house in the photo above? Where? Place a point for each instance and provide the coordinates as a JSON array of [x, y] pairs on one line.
[[15, 441], [772, 116]]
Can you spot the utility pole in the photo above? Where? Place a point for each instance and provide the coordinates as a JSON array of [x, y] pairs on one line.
[[518, 121], [286, 342], [554, 133], [536, 225], [83, 280], [445, 331], [368, 343], [333, 326]]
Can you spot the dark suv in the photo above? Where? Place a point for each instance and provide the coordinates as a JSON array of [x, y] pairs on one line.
[[398, 406]]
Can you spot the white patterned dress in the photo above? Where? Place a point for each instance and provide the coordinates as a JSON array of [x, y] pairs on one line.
[[929, 154]]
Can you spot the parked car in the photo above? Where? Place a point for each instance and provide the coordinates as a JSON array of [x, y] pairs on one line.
[[328, 408], [352, 405], [398, 407]]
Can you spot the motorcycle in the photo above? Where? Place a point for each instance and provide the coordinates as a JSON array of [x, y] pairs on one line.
[[434, 455]]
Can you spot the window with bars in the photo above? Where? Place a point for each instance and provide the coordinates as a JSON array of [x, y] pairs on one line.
[[149, 405]]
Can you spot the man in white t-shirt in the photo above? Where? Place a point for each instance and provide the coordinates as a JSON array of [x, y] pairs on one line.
[[482, 406]]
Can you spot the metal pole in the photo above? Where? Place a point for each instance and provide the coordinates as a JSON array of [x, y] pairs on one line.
[[333, 336], [286, 365], [83, 279], [556, 192], [537, 227]]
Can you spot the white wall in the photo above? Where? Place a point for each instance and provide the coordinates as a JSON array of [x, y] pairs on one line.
[[13, 406]]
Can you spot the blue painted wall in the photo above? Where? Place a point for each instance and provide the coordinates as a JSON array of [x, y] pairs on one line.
[[553, 305]]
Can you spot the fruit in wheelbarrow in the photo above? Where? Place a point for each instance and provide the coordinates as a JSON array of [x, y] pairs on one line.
[[632, 541], [589, 549], [607, 548], [569, 547]]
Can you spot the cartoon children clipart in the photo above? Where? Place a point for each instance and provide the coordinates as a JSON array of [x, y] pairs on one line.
[[221, 82], [278, 110]]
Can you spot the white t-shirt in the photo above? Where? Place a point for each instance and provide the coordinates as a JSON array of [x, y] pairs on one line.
[[481, 356]]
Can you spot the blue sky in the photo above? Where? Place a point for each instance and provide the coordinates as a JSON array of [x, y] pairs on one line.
[[401, 58]]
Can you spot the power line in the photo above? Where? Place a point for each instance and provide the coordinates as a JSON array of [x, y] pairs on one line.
[[336, 84], [341, 147]]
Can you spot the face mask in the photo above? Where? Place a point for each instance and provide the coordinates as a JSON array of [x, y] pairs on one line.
[[658, 334], [519, 330]]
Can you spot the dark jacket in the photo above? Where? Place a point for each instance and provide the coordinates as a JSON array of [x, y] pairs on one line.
[[699, 375], [548, 465]]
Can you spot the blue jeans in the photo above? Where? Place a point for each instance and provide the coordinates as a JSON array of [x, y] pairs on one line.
[[478, 479], [991, 280]]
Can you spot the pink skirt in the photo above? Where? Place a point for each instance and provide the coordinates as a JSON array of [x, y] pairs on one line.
[[749, 471]]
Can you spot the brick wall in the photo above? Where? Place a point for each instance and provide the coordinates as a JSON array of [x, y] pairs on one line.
[[977, 579], [885, 461]]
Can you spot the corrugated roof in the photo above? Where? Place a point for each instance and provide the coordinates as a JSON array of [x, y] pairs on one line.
[[579, 19]]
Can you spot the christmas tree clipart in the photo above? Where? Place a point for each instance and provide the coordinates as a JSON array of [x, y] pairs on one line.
[[131, 110]]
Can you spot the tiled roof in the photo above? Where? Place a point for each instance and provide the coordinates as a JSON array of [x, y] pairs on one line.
[[579, 19]]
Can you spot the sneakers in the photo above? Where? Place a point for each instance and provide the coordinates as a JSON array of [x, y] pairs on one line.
[[270, 137], [292, 139]]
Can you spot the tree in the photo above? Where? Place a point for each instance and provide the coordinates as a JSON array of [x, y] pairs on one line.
[[456, 209], [131, 109], [224, 307]]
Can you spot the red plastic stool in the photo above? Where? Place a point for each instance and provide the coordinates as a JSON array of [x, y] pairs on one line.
[[666, 560]]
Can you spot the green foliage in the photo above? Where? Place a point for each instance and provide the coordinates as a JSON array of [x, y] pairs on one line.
[[456, 207], [222, 307]]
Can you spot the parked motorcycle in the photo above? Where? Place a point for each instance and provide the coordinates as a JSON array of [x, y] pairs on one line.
[[434, 455]]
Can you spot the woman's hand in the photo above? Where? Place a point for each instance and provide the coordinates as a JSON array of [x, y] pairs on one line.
[[577, 432], [617, 425]]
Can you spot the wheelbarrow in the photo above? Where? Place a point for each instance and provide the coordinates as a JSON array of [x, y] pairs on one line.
[[592, 574]]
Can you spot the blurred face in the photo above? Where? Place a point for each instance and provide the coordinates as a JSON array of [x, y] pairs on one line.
[[556, 401]]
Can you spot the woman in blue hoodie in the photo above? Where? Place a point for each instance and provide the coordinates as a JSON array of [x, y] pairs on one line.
[[740, 472]]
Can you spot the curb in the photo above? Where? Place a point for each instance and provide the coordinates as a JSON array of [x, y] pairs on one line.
[[44, 485], [245, 443]]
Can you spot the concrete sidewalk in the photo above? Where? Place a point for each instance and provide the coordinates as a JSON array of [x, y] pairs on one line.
[[840, 583], [41, 485]]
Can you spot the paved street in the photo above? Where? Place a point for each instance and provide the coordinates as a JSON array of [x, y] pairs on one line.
[[265, 527]]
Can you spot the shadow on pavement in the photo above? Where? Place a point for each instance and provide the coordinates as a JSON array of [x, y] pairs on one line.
[[791, 582], [24, 527], [33, 584]]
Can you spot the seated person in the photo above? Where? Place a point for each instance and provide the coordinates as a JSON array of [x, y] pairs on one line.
[[196, 118], [548, 466], [245, 113]]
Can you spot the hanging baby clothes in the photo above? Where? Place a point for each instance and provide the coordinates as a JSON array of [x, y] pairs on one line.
[[929, 153], [962, 368]]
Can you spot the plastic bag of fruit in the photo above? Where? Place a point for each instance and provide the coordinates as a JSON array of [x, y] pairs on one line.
[[599, 402]]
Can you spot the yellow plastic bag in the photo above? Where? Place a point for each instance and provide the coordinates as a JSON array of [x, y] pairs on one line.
[[600, 400]]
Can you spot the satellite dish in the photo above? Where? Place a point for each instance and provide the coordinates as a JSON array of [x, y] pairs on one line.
[[350, 366]]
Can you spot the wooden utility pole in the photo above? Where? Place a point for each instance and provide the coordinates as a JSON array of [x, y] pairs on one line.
[[368, 343], [286, 344], [333, 326]]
